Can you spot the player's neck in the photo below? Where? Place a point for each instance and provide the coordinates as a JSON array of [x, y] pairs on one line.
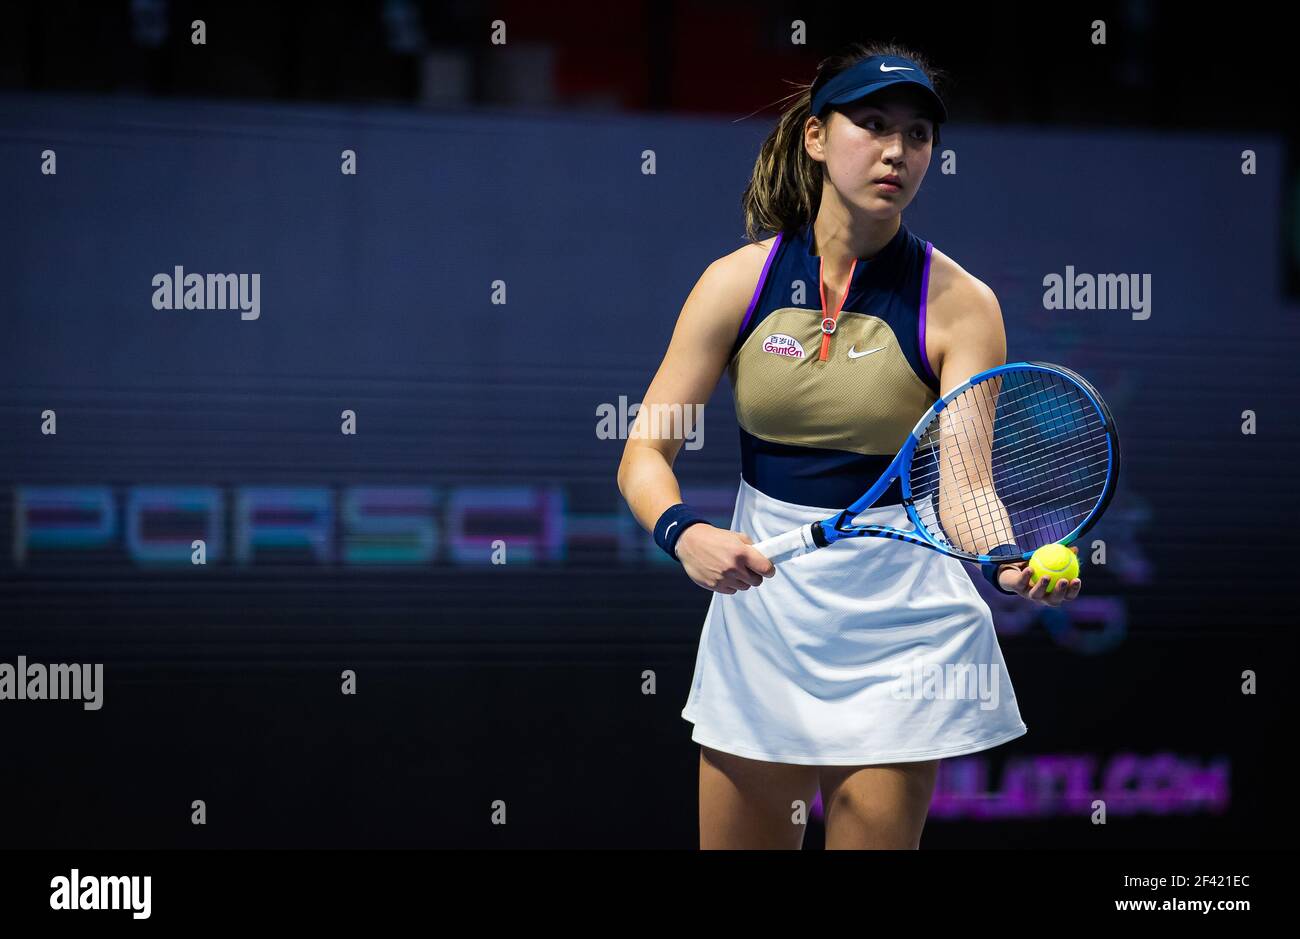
[[840, 238]]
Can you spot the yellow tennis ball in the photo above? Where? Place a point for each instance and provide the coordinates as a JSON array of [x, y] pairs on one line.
[[1056, 562]]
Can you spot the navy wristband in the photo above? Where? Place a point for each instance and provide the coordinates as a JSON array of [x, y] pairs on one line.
[[675, 520], [990, 570]]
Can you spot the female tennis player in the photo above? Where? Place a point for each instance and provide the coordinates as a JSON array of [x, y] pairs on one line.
[[837, 334]]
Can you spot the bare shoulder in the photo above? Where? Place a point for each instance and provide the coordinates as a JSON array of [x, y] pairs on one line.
[[726, 288], [740, 269], [964, 332], [955, 293]]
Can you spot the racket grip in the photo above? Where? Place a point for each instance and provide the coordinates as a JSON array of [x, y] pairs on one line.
[[791, 544]]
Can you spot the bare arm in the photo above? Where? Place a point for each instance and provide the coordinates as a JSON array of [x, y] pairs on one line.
[[686, 378], [968, 337], [971, 341]]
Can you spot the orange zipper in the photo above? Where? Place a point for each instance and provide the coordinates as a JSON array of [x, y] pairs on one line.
[[828, 322]]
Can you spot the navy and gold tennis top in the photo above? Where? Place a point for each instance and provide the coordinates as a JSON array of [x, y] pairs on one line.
[[826, 394]]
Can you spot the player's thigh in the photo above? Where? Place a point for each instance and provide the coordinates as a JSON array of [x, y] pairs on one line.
[[882, 806], [748, 803]]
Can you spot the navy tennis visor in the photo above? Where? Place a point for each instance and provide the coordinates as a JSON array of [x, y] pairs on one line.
[[876, 74]]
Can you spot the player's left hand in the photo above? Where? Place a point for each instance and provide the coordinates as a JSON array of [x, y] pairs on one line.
[[1015, 577]]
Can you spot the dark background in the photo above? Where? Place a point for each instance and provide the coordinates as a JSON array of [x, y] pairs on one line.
[[522, 163]]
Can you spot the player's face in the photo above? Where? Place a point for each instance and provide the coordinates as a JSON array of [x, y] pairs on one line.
[[869, 140]]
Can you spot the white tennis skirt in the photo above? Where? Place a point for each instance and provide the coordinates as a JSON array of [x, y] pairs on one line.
[[868, 651]]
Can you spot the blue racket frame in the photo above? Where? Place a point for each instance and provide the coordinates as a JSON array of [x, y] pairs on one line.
[[837, 527]]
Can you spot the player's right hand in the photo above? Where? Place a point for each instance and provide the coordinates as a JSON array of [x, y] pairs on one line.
[[721, 560]]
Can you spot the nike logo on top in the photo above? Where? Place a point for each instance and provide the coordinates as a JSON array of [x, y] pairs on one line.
[[895, 68], [853, 354]]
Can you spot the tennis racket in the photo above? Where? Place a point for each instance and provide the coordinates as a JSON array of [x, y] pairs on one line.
[[1019, 456]]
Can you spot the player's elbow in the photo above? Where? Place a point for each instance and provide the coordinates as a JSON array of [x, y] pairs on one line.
[[627, 466], [622, 475], [639, 458]]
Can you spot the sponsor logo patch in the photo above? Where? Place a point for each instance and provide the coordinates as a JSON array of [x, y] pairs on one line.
[[781, 344]]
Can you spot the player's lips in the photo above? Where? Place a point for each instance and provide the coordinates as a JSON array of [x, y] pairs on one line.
[[889, 183]]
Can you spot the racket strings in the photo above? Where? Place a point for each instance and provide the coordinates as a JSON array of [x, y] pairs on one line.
[[1029, 483], [1021, 458], [1020, 475], [1066, 459]]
